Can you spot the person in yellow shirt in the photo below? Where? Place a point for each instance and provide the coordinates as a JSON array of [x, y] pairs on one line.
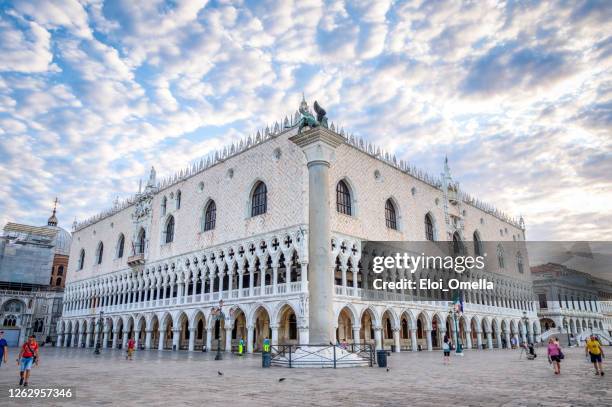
[[593, 348]]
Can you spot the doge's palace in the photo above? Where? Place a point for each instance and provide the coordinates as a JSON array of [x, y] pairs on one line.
[[273, 226]]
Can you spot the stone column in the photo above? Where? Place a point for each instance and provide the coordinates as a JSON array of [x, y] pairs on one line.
[[209, 337], [240, 281], [355, 270], [507, 334], [413, 340], [274, 279], [176, 338], [124, 340], [288, 265], [251, 279], [88, 339], [230, 283], [318, 145], [228, 339], [304, 275], [274, 330], [105, 339], [148, 339], [428, 337], [479, 339], [489, 340], [250, 332], [137, 339], [192, 334], [162, 338], [378, 338], [356, 333], [60, 340], [468, 340], [396, 340], [80, 339], [115, 334]]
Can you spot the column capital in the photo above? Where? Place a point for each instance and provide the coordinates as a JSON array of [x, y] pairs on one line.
[[318, 144]]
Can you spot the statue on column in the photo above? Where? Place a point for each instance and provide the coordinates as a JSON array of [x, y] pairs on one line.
[[307, 119]]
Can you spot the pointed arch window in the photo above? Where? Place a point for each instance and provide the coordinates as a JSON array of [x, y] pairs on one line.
[[178, 199], [390, 215], [343, 198], [81, 259], [169, 230], [259, 199], [140, 247], [100, 253], [164, 206], [60, 271], [500, 257], [457, 245], [210, 216], [120, 246], [519, 262], [477, 244], [429, 228]]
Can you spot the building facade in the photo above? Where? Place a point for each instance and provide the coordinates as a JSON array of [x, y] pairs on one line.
[[33, 263], [273, 226], [572, 304]]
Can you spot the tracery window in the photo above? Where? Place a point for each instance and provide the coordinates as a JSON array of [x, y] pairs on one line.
[[259, 199], [390, 215], [210, 216], [343, 198]]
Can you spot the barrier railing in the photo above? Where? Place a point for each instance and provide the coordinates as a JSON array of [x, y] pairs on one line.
[[286, 356]]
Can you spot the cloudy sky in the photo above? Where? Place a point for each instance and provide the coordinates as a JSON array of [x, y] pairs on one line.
[[518, 94]]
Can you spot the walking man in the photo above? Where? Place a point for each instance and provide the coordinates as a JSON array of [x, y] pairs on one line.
[[240, 347], [3, 349], [594, 349], [131, 345], [28, 355]]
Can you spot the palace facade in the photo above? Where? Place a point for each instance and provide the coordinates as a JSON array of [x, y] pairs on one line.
[[241, 226]]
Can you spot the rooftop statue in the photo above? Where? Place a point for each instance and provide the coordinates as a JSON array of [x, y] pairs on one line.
[[307, 119]]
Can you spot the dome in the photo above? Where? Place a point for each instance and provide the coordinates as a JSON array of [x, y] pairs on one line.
[[62, 240]]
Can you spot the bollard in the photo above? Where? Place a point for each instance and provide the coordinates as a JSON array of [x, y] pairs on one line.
[[266, 359]]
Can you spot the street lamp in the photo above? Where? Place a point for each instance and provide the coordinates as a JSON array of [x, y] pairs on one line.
[[98, 345], [217, 312], [525, 322], [456, 313]]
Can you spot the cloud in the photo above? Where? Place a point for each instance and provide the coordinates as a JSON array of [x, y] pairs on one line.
[[517, 94]]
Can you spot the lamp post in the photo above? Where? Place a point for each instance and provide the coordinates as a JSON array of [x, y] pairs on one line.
[[456, 313], [525, 324], [217, 312], [566, 327], [98, 345]]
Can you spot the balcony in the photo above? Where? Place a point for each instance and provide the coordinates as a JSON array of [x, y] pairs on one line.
[[136, 260]]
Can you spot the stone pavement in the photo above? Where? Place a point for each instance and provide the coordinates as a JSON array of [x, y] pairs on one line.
[[165, 378]]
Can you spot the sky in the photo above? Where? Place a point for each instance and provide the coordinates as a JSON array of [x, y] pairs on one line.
[[517, 94]]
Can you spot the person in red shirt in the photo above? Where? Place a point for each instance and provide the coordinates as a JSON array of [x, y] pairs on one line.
[[130, 348], [28, 355]]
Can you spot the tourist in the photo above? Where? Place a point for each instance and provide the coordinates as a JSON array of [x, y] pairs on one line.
[[27, 356], [594, 349], [3, 349], [554, 355], [130, 349], [266, 344], [513, 342], [240, 347], [446, 347]]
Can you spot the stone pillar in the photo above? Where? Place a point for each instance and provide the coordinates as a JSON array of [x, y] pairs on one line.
[[137, 339], [148, 339], [59, 341], [124, 340], [343, 269], [318, 145], [176, 338], [304, 275], [240, 282], [192, 335], [303, 337], [396, 339], [468, 340], [274, 279], [209, 337], [378, 338], [162, 338], [80, 339], [228, 339], [413, 340], [489, 340], [507, 334], [115, 334], [230, 283], [428, 337], [251, 279], [356, 332], [250, 332], [105, 339], [288, 265], [355, 270], [88, 339], [274, 330], [479, 339]]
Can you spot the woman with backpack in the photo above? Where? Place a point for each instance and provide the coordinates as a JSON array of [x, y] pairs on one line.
[[555, 354], [446, 347]]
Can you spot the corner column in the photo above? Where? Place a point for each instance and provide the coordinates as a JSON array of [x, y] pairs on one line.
[[318, 145]]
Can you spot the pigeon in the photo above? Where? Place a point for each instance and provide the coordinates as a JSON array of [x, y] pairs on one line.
[[388, 369], [281, 379], [220, 373]]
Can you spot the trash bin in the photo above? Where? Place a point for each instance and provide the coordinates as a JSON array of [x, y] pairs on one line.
[[392, 348], [381, 358], [266, 359], [173, 347]]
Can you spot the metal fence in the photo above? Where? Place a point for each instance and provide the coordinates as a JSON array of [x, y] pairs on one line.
[[330, 355]]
